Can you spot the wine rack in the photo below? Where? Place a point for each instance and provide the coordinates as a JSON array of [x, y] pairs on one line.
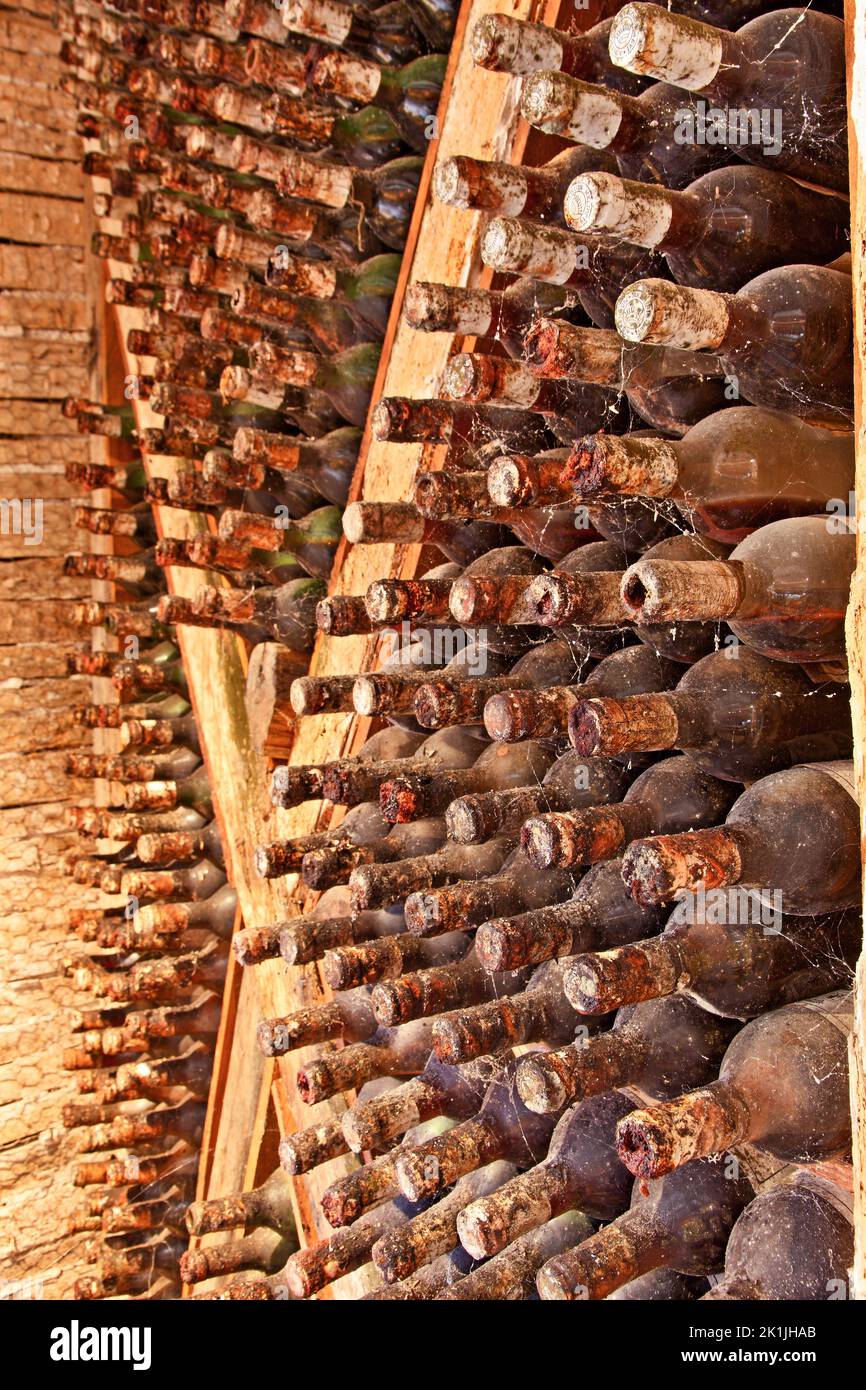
[[478, 116]]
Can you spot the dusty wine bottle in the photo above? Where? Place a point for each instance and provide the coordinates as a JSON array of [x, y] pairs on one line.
[[682, 1221], [794, 1107]]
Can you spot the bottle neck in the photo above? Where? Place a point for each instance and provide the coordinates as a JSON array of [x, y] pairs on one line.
[[630, 1246], [697, 1125], [598, 983]]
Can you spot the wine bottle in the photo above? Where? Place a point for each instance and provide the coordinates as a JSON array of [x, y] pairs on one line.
[[348, 1015], [570, 783], [506, 315], [267, 1205], [502, 1129], [601, 912], [656, 1048], [581, 1171], [501, 43], [350, 780], [306, 939], [682, 1221], [596, 269], [794, 1241], [440, 1089], [409, 93], [403, 420], [180, 885], [265, 1250], [763, 65], [759, 846], [451, 697], [476, 377], [797, 719], [431, 991], [312, 1269], [642, 130], [783, 1086], [669, 388], [671, 796], [383, 35], [412, 795], [513, 190], [708, 232], [394, 600], [433, 1232], [374, 885], [172, 847], [542, 714], [375, 523], [347, 967], [784, 590], [192, 790], [429, 1282], [737, 968], [466, 904], [371, 1184], [388, 1052], [785, 336], [393, 689], [731, 474], [290, 785], [326, 858], [540, 1012], [185, 1121], [511, 1274]]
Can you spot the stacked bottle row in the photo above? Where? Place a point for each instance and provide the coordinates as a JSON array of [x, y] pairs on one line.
[[256, 173], [590, 902], [154, 943]]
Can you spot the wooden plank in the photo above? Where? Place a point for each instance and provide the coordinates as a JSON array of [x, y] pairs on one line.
[[855, 23]]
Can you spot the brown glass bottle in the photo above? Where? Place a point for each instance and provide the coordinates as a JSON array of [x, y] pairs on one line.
[[731, 474], [465, 904], [674, 795], [440, 1089], [265, 1250], [762, 845], [290, 785], [783, 590], [499, 767], [502, 1128], [785, 336], [349, 1015], [657, 1048], [477, 377], [581, 1171], [767, 64], [737, 714], [501, 43], [326, 857], [351, 780], [511, 1274], [511, 189], [783, 1086], [596, 269], [571, 783], [795, 1241], [399, 1051], [466, 428], [374, 885], [544, 713], [453, 697], [724, 229], [389, 957], [669, 388], [506, 315], [376, 523], [540, 1012], [738, 958], [268, 1205], [600, 912], [682, 1221]]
